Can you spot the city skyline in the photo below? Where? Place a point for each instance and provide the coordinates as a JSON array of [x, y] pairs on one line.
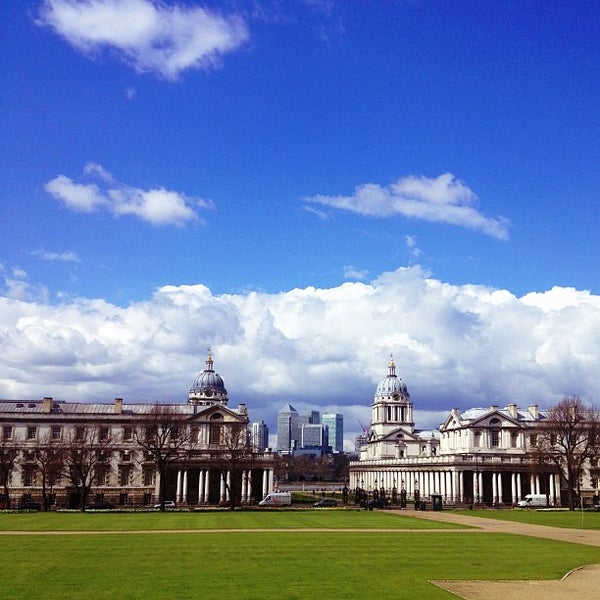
[[307, 188]]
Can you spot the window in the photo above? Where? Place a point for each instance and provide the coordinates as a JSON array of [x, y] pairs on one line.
[[216, 429], [127, 433], [56, 432], [514, 438], [494, 438], [148, 476], [29, 476], [477, 439], [125, 475], [533, 439], [102, 475], [31, 433], [125, 457], [80, 434], [103, 433], [7, 432]]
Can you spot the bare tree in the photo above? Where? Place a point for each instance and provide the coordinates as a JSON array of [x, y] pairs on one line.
[[234, 458], [85, 447], [8, 454], [568, 438], [165, 437], [49, 459]]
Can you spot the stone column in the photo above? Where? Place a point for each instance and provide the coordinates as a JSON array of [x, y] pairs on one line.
[[157, 486], [221, 488], [500, 490], [184, 498], [494, 489], [513, 487], [201, 487], [179, 483]]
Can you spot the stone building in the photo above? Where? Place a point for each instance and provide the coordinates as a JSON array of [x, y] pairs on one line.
[[208, 468], [481, 455]]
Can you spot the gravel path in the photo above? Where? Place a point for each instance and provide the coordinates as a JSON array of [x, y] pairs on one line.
[[580, 584]]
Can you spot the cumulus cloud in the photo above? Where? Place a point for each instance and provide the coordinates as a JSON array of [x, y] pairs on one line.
[[444, 199], [150, 36], [322, 349], [157, 206]]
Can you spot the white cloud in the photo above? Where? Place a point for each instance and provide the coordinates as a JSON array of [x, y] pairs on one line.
[[444, 199], [351, 272], [149, 36], [17, 287], [57, 256], [156, 206], [323, 349]]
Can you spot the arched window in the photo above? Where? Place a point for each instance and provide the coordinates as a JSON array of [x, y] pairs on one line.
[[216, 429]]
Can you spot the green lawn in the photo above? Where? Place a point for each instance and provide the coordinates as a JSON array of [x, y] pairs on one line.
[[249, 564], [570, 519], [173, 520]]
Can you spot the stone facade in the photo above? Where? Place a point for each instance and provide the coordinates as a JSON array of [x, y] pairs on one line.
[[206, 471], [479, 456]]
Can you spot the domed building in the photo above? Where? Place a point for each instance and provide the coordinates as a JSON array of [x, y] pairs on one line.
[[482, 455], [393, 433], [208, 387], [206, 442]]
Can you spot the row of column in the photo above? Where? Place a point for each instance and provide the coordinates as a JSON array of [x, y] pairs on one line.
[[450, 484], [225, 485]]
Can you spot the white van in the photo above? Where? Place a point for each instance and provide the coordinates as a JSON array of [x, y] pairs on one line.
[[276, 499], [535, 501]]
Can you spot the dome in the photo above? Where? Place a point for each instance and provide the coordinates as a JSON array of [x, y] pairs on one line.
[[392, 384], [208, 383]]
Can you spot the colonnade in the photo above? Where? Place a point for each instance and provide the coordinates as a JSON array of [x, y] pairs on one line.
[[457, 486], [182, 488]]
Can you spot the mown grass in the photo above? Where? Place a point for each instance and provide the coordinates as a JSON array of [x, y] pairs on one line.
[[292, 519], [552, 518], [249, 565]]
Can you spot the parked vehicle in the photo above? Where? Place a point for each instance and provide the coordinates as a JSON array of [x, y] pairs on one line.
[[535, 501], [168, 504], [30, 505], [325, 503], [101, 505], [276, 499]]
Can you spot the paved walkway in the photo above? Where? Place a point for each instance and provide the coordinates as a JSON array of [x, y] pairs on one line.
[[579, 584]]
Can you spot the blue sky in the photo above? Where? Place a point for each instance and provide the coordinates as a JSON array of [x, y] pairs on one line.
[[305, 187]]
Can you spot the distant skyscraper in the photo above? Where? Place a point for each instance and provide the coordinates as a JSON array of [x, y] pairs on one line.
[[315, 436], [287, 428], [309, 418], [335, 423], [260, 436], [360, 441]]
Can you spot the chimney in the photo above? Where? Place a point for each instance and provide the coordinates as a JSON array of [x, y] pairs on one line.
[[47, 405], [533, 411], [512, 410], [118, 406]]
